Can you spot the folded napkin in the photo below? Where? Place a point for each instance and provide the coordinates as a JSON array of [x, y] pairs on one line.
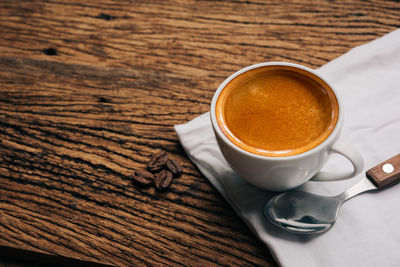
[[367, 232]]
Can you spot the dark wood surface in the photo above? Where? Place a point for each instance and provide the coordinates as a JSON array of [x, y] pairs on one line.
[[90, 89]]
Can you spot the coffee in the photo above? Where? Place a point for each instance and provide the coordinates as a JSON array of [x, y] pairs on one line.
[[277, 111]]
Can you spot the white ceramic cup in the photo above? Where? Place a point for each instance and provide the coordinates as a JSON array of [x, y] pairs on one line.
[[286, 172]]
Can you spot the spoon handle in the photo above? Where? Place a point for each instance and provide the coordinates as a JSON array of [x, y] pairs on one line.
[[385, 173]]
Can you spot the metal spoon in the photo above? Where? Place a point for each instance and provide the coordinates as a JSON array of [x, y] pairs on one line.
[[306, 213]]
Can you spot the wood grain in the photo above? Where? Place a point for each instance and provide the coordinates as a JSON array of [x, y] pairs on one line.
[[90, 89]]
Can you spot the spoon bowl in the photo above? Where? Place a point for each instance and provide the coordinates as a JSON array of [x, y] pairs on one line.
[[303, 212]]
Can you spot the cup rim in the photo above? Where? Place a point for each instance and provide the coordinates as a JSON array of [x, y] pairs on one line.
[[331, 138]]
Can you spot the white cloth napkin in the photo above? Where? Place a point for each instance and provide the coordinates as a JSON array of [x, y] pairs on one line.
[[367, 232]]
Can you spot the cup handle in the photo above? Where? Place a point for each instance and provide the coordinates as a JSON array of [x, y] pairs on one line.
[[348, 152]]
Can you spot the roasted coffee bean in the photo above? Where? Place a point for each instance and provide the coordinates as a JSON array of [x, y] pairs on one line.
[[174, 167], [143, 177], [163, 179], [157, 162]]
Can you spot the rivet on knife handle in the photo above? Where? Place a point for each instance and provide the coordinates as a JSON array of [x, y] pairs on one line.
[[386, 172]]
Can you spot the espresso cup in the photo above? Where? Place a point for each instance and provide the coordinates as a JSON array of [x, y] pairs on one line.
[[276, 124]]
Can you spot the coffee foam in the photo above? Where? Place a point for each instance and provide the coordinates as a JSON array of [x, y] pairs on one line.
[[277, 111]]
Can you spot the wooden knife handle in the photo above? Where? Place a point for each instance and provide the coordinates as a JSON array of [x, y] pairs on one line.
[[386, 172]]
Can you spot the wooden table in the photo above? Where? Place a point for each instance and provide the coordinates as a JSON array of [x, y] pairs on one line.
[[90, 89]]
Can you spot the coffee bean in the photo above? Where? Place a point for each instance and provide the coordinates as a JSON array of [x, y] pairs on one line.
[[157, 162], [163, 179], [174, 167], [143, 177]]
